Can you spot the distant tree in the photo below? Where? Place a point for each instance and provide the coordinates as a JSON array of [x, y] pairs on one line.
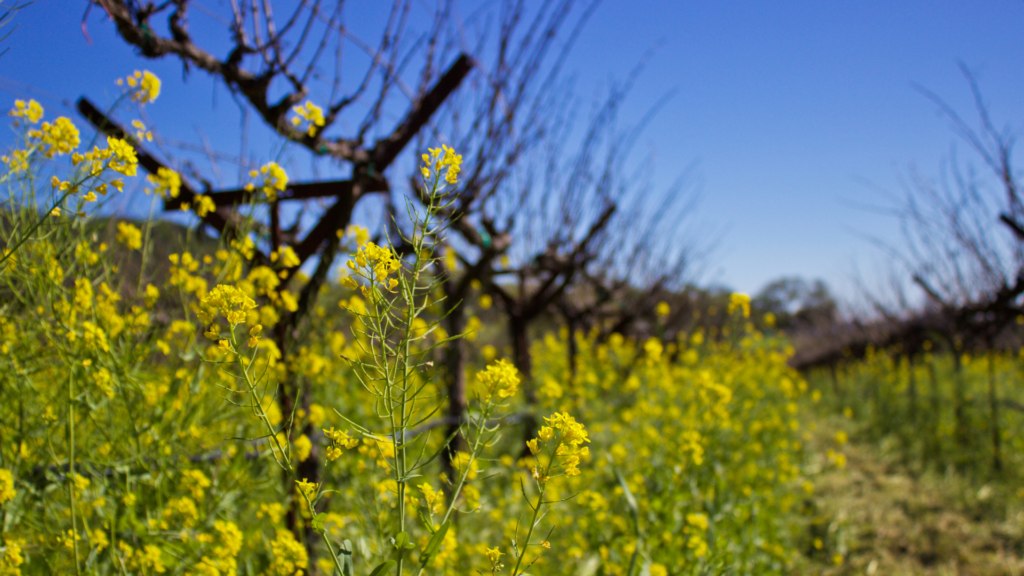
[[797, 303]]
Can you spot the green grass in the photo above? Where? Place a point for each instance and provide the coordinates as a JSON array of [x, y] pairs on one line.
[[885, 517]]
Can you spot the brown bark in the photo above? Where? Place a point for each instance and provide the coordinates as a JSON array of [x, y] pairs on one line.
[[519, 335]]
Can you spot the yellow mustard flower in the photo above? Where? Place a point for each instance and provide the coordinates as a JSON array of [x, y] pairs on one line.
[[145, 86], [494, 555], [129, 235], [697, 520], [203, 205], [231, 302], [739, 301], [12, 558], [432, 499], [443, 158], [60, 137], [306, 488], [310, 113], [152, 295], [376, 264], [17, 162], [500, 379], [303, 447], [288, 257], [290, 556], [166, 183], [562, 440], [196, 482], [7, 492], [339, 439], [30, 111], [274, 180]]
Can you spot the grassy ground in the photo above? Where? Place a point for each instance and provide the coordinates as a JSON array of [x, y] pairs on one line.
[[885, 518]]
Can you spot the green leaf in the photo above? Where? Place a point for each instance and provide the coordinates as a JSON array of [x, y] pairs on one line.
[[435, 544], [348, 567], [384, 568], [425, 518], [402, 540], [318, 522]]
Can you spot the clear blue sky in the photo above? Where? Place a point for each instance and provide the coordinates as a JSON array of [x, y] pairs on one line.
[[791, 108]]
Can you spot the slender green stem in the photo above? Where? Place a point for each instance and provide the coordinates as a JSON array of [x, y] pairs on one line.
[[472, 456], [529, 532], [399, 434], [258, 407], [541, 486], [474, 452]]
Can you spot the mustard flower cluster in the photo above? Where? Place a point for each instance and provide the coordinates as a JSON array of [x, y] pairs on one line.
[[141, 132], [290, 556], [288, 257], [500, 379], [11, 559], [440, 159], [223, 557], [697, 526], [306, 488], [339, 439], [433, 500], [311, 113], [129, 235], [201, 205], [738, 301], [264, 281], [144, 86], [494, 557], [195, 482], [31, 111], [561, 439], [118, 156], [147, 560], [60, 137], [166, 183], [376, 264], [274, 180], [17, 161], [360, 234], [231, 302], [182, 267], [6, 485]]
